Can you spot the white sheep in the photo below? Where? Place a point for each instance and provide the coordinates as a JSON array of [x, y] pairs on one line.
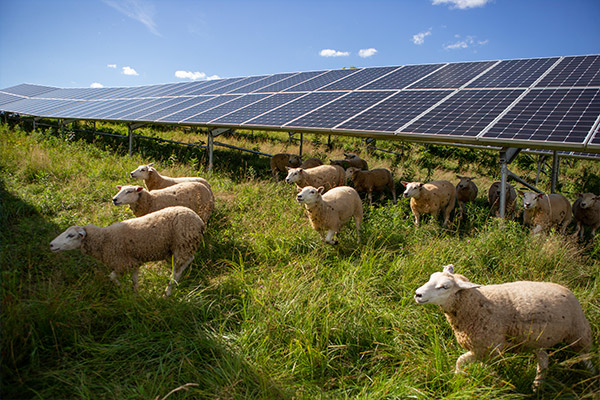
[[328, 176], [281, 160], [466, 191], [193, 195], [586, 212], [328, 212], [494, 199], [377, 179], [172, 234], [542, 211], [488, 320], [431, 198], [154, 180]]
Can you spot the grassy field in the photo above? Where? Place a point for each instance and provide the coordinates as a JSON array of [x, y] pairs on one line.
[[266, 311]]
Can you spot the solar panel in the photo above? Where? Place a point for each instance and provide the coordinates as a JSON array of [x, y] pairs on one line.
[[122, 107], [514, 73], [293, 110], [339, 110], [321, 80], [204, 103], [173, 106], [38, 107], [149, 108], [402, 77], [549, 116], [260, 107], [189, 87], [214, 86], [226, 108], [360, 78], [289, 82], [81, 109], [453, 75], [28, 90], [396, 111], [574, 71], [464, 114], [6, 98], [262, 83]]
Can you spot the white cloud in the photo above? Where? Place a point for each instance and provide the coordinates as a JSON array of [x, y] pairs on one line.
[[364, 53], [138, 10], [111, 65], [129, 71], [461, 4], [96, 85], [419, 38], [212, 77], [466, 43], [333, 53], [190, 75]]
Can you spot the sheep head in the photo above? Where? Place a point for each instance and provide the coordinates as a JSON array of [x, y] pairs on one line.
[[127, 195], [530, 199], [413, 189], [350, 172], [294, 174], [464, 182], [142, 172], [587, 199], [68, 240], [442, 286], [309, 194]]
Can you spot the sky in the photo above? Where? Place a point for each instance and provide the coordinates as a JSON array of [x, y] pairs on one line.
[[115, 43]]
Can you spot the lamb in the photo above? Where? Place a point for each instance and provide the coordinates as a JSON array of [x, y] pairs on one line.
[[586, 211], [494, 199], [374, 180], [311, 163], [351, 160], [193, 195], [280, 161], [466, 191], [512, 316], [328, 176], [171, 234], [327, 212], [542, 211], [431, 198], [154, 180]]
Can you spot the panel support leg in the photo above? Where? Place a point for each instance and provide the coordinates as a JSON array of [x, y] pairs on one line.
[[503, 182], [210, 147], [301, 143], [555, 166], [130, 133], [541, 162]]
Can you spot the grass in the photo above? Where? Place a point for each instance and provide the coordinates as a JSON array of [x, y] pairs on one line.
[[266, 310]]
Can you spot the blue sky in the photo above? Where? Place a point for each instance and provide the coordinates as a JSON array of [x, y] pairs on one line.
[[79, 43]]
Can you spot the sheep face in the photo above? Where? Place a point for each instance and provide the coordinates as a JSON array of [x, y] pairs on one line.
[[350, 156], [464, 182], [413, 189], [127, 195], [309, 195], [350, 172], [294, 175], [530, 199], [588, 200], [68, 240], [295, 160], [142, 172], [441, 287]]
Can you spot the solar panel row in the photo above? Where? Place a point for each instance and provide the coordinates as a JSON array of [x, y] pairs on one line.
[[543, 102]]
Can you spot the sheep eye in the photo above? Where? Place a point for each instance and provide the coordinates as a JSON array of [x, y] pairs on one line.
[[70, 235]]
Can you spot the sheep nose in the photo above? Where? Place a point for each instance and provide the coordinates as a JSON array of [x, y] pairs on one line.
[[114, 200], [131, 174], [418, 295]]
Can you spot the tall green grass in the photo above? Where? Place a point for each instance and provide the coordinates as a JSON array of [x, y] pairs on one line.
[[266, 310]]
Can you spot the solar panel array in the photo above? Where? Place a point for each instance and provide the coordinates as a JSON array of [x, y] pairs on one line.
[[544, 103]]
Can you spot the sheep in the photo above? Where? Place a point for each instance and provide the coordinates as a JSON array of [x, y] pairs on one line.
[[490, 319], [466, 191], [431, 198], [351, 160], [193, 195], [281, 160], [172, 234], [494, 199], [328, 176], [154, 180], [327, 212], [586, 212], [311, 163], [541, 211], [374, 180]]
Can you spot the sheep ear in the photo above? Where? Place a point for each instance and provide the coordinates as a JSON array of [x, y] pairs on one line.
[[404, 183], [119, 187], [81, 231], [466, 284], [421, 185], [449, 268], [579, 194], [321, 189], [288, 168], [139, 189], [539, 196], [521, 193], [459, 177], [151, 164]]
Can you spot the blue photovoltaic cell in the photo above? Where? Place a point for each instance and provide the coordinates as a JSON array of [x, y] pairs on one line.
[[340, 110], [124, 108], [8, 98], [574, 71], [396, 111], [467, 113], [295, 109], [39, 107], [226, 108], [126, 93], [236, 85], [321, 80], [147, 108], [262, 83], [215, 85], [165, 90], [260, 107], [453, 75], [29, 90], [81, 109], [402, 78], [207, 103], [550, 115], [188, 88], [359, 79], [289, 82], [109, 106], [173, 106], [596, 138], [514, 73]]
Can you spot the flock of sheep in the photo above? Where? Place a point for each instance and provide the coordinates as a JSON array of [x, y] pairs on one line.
[[487, 320]]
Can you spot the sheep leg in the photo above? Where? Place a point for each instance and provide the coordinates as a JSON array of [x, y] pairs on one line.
[[357, 222], [466, 358], [177, 274], [113, 277], [135, 279], [370, 197], [542, 359], [447, 212], [329, 237], [417, 218]]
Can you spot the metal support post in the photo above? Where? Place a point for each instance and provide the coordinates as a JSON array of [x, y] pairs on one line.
[[130, 132], [503, 182], [301, 143], [541, 162], [555, 165], [210, 145]]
